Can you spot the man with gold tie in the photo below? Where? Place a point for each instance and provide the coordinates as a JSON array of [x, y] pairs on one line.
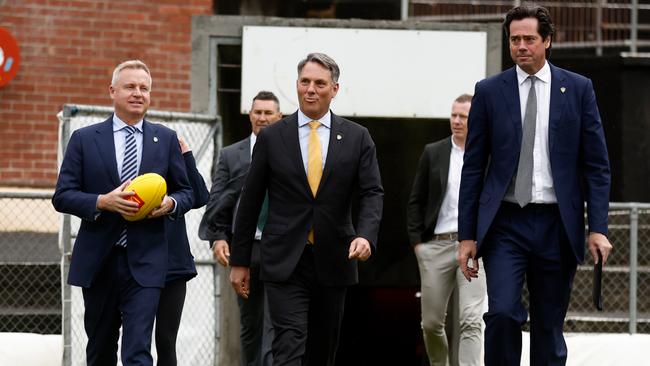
[[314, 165]]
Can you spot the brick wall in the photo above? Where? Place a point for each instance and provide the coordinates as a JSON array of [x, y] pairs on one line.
[[68, 51]]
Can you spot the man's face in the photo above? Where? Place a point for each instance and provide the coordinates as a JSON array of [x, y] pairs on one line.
[[527, 48], [458, 120], [262, 114], [130, 95], [316, 89]]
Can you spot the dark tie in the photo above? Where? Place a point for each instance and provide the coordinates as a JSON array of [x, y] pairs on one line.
[[524, 178], [264, 213], [129, 167]]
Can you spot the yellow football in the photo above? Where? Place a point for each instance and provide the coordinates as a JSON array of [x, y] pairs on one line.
[[150, 189]]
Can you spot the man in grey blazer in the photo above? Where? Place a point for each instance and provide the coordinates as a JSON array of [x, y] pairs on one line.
[[217, 227], [433, 232]]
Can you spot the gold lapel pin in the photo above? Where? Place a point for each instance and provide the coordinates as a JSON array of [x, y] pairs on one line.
[[338, 137], [562, 89], [155, 139]]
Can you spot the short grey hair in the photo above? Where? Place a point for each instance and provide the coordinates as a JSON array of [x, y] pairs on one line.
[[323, 60], [130, 64]]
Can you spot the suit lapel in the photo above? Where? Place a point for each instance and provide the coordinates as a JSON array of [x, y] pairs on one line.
[[244, 153], [443, 163], [106, 146], [150, 142], [292, 143], [558, 99], [337, 138], [510, 91]]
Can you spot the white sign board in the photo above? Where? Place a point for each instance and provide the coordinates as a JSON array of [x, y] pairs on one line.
[[384, 73]]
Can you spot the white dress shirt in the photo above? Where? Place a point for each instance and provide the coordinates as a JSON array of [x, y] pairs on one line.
[[323, 132], [448, 215], [543, 191]]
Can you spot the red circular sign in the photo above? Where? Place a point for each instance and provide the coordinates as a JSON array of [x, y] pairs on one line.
[[9, 57]]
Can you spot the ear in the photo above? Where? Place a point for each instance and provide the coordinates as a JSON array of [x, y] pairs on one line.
[[547, 42], [336, 88], [111, 91]]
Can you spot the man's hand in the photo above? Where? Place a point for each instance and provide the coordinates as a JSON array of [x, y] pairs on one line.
[[467, 251], [597, 242], [240, 280], [166, 206], [184, 146], [359, 249], [221, 252], [118, 201]]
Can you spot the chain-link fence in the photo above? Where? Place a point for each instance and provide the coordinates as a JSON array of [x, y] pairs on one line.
[[198, 333], [626, 274], [30, 278]]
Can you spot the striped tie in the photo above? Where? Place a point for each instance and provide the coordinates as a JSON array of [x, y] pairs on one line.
[[129, 168]]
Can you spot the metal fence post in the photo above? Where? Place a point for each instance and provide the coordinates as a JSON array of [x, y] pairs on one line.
[[65, 246], [634, 25], [634, 237]]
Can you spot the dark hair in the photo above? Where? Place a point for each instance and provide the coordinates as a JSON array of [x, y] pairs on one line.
[[464, 98], [323, 60], [267, 95], [545, 26]]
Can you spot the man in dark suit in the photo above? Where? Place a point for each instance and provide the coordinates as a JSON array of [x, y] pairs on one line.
[[121, 265], [313, 165], [535, 153], [433, 232], [217, 223]]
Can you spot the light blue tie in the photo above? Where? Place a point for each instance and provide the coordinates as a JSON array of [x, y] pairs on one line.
[[129, 168]]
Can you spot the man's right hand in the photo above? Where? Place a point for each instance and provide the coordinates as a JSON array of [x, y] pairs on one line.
[[117, 201], [467, 251], [221, 252], [240, 280]]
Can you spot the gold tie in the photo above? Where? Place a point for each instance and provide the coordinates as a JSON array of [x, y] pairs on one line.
[[314, 165]]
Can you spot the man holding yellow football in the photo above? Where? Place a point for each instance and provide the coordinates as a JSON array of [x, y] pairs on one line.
[[121, 265]]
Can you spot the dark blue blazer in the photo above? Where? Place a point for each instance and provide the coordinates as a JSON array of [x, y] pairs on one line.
[[577, 153], [89, 168], [181, 262]]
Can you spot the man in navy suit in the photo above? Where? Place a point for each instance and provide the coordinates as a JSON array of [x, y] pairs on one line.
[[535, 153], [121, 265]]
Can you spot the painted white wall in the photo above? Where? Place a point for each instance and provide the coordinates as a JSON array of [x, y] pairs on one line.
[[384, 73]]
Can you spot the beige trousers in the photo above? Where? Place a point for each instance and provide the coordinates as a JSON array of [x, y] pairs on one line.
[[440, 275]]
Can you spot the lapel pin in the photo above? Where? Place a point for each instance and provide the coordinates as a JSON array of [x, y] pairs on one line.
[[562, 89], [339, 137], [155, 139]]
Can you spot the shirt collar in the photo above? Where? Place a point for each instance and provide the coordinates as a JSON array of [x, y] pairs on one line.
[[326, 120], [544, 74], [454, 145], [253, 139], [118, 124]]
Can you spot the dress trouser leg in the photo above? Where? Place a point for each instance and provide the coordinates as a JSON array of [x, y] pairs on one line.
[[530, 243]]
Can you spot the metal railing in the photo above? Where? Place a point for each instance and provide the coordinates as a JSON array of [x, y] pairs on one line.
[[594, 24]]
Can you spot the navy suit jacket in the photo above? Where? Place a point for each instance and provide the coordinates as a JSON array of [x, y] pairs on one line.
[[89, 168], [577, 153], [181, 261], [351, 172]]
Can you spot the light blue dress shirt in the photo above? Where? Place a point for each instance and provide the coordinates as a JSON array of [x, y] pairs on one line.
[[119, 138]]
